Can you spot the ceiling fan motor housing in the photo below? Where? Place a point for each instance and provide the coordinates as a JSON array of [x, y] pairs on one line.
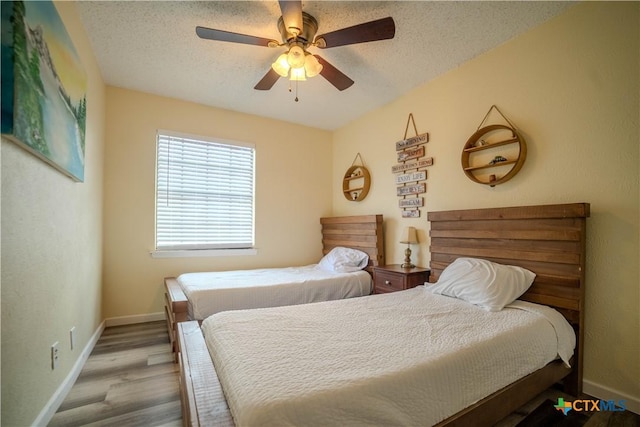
[[304, 34]]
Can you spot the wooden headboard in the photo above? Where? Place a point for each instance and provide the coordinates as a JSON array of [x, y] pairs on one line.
[[363, 232], [548, 240]]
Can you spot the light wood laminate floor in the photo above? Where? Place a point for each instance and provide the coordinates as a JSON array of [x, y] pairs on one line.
[[130, 380]]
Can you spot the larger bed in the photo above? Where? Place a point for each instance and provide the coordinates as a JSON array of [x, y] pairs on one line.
[[195, 296], [412, 357]]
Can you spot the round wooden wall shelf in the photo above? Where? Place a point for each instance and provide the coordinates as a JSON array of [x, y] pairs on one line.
[[484, 141], [356, 183]]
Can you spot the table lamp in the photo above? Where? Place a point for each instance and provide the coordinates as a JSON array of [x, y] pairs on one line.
[[409, 236]]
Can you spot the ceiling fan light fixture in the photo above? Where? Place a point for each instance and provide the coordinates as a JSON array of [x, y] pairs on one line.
[[298, 74], [295, 57], [311, 66], [281, 66]]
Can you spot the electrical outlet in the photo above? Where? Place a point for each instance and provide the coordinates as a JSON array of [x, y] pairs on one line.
[[72, 337], [54, 355]]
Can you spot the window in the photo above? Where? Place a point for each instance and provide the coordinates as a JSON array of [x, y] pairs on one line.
[[204, 193]]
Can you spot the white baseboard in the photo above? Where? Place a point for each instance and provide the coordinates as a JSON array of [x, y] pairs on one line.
[[58, 397], [605, 393], [136, 318]]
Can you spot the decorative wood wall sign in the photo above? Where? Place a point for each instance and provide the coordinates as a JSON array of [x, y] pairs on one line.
[[411, 189], [494, 154], [412, 153], [356, 181], [411, 175]]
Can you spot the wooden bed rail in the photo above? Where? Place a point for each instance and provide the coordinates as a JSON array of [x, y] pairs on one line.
[[175, 309]]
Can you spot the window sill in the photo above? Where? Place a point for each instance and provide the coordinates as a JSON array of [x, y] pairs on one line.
[[195, 253]]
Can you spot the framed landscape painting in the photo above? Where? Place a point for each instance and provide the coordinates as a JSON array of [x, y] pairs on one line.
[[44, 86]]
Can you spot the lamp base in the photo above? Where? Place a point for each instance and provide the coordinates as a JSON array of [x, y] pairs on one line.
[[407, 259]]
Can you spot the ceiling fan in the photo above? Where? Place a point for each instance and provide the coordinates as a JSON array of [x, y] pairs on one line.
[[298, 30]]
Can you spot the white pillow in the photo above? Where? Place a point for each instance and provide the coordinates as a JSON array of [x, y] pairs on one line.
[[483, 283], [344, 260]]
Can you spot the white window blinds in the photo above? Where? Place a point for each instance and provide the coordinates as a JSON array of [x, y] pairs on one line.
[[204, 193]]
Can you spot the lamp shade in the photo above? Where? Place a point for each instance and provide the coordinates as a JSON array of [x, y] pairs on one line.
[[409, 236], [311, 66], [281, 66], [297, 74], [295, 57]]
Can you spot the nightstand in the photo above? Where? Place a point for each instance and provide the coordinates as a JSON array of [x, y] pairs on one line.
[[392, 278]]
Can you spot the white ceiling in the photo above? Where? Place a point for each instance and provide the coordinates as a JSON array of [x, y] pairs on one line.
[[151, 46]]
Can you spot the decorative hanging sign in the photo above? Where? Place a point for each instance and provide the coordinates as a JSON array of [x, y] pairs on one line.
[[412, 165], [411, 189], [410, 177], [417, 202], [412, 153], [410, 169], [411, 213], [410, 142]]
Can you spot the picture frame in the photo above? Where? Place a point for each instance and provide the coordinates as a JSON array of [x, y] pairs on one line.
[[44, 86]]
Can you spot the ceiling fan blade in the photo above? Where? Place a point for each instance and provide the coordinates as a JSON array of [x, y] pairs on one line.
[[227, 36], [268, 80], [380, 29], [333, 75], [292, 14]]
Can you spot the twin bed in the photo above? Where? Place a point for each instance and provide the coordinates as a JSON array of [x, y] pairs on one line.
[[433, 355], [196, 296]]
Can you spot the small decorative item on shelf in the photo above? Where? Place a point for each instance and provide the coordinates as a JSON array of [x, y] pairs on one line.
[[356, 181], [474, 154], [497, 159]]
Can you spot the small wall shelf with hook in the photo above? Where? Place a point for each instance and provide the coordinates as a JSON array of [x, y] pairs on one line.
[[356, 182], [494, 154]]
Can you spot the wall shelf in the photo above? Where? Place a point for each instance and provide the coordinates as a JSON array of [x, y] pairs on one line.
[[476, 144], [356, 183]]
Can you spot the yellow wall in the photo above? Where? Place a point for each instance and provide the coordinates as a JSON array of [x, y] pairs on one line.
[[51, 256], [293, 190], [572, 87]]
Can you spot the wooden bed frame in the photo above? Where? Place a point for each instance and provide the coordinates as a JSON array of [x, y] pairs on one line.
[[363, 232], [549, 240]]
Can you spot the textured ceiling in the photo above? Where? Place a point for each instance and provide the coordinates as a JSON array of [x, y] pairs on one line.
[[151, 46]]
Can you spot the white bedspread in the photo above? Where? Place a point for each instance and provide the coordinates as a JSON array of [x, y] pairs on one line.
[[407, 358], [213, 292]]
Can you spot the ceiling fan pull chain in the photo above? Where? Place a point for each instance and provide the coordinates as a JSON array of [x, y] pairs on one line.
[[296, 91]]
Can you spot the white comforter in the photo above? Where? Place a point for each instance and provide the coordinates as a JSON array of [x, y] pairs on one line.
[[213, 292], [408, 358]]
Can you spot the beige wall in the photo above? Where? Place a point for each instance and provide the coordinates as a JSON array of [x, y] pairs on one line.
[[572, 87], [51, 256], [293, 190]]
